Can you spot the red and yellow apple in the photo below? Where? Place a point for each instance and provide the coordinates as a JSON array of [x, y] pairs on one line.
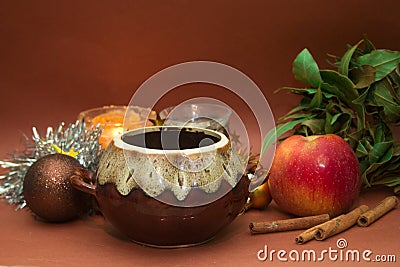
[[315, 175]]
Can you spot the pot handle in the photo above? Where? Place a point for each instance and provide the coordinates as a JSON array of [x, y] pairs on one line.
[[83, 180]]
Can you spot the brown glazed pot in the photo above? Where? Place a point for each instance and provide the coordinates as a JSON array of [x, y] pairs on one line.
[[168, 197]]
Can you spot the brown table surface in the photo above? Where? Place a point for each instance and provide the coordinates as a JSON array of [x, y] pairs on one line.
[[90, 241]]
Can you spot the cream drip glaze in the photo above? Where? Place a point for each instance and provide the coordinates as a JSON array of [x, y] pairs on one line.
[[155, 170]]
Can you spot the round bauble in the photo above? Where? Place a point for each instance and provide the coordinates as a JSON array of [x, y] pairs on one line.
[[315, 175], [48, 192], [260, 198]]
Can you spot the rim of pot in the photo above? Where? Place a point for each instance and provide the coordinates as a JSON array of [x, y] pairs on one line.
[[223, 140]]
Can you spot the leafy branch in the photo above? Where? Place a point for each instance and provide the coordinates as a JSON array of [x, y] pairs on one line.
[[359, 101]]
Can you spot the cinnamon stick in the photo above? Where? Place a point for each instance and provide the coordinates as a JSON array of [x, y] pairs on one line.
[[306, 235], [381, 209], [339, 224], [287, 225]]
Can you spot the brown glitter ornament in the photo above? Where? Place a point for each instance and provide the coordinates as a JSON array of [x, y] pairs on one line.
[[48, 192]]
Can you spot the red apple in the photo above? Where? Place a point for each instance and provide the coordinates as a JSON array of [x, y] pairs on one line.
[[315, 175]]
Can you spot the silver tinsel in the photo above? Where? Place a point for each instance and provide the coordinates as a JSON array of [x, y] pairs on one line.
[[75, 140]]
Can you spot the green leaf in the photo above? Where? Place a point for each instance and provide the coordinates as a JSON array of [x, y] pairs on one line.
[[363, 76], [382, 97], [328, 120], [345, 122], [393, 165], [392, 83], [397, 190], [373, 171], [328, 95], [338, 107], [379, 135], [337, 123], [292, 112], [300, 91], [367, 144], [353, 138], [335, 117], [278, 131], [316, 126], [305, 69], [345, 61], [361, 99], [381, 152], [361, 150], [364, 165], [295, 116], [269, 139], [317, 99], [396, 148], [302, 130], [368, 46], [343, 87], [389, 181], [385, 61]]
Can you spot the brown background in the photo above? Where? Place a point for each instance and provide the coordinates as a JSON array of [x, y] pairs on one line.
[[60, 57]]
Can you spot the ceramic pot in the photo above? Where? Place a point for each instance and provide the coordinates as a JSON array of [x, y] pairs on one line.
[[168, 186]]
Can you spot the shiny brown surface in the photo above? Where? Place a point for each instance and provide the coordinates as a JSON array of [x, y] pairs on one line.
[[58, 58], [48, 192], [149, 221]]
